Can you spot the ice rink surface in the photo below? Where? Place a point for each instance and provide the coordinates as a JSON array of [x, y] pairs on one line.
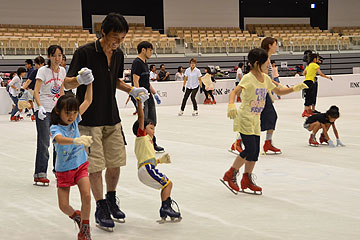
[[308, 192]]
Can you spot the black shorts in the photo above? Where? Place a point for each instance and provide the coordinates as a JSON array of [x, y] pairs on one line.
[[310, 93], [268, 116], [252, 147]]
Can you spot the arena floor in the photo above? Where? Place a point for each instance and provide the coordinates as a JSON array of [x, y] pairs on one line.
[[308, 192]]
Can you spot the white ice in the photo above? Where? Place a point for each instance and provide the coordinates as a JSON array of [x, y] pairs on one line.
[[308, 192]]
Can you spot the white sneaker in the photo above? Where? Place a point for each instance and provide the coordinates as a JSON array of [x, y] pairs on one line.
[[195, 113], [181, 113]]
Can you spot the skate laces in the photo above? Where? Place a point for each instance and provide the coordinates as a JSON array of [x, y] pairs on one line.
[[85, 230], [115, 202], [235, 174], [174, 203]]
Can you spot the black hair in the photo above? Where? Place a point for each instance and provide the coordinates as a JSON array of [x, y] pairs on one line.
[[240, 65], [39, 60], [51, 51], [311, 57], [272, 61], [333, 112], [151, 66], [161, 65], [208, 70], [20, 70], [144, 44], [29, 61], [64, 57], [258, 55], [179, 68], [114, 22], [136, 125], [12, 74], [68, 102], [266, 42]]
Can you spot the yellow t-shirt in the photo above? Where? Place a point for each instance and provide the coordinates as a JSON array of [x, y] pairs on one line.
[[311, 71], [144, 150], [253, 97]]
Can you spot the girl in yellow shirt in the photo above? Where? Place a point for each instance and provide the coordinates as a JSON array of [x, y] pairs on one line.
[[253, 87]]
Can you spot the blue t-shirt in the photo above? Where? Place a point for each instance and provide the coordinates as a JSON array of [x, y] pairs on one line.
[[69, 157]]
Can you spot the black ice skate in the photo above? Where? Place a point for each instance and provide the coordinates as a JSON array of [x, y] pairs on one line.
[[113, 204], [157, 147], [102, 216], [167, 211]]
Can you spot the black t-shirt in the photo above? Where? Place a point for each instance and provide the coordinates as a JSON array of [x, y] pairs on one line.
[[162, 77], [32, 77], [141, 69], [321, 117], [103, 109]]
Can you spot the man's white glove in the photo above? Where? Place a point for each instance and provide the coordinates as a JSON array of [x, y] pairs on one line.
[[83, 140], [232, 111], [41, 113], [164, 158], [85, 76], [139, 93]]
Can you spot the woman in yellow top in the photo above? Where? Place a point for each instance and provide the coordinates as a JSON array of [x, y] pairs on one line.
[[310, 73], [253, 88]]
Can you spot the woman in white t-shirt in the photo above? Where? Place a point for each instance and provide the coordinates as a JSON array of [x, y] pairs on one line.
[[239, 75], [192, 80], [14, 90], [179, 76], [48, 88]]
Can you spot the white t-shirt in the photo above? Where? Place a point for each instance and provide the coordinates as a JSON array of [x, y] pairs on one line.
[[239, 71], [153, 76], [50, 87], [179, 76], [192, 77], [16, 82]]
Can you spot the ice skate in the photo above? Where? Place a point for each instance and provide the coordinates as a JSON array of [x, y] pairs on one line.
[[44, 182], [247, 181], [236, 147], [84, 233], [102, 217], [306, 113], [269, 147], [113, 203], [312, 141], [206, 101], [76, 218], [195, 113], [32, 118], [230, 177], [181, 113], [323, 139], [159, 149], [213, 102], [166, 210]]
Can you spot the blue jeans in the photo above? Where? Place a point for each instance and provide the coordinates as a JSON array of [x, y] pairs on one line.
[[42, 148], [15, 101]]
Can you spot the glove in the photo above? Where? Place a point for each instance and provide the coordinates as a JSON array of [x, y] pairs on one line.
[[339, 143], [300, 87], [85, 76], [232, 111], [139, 93], [183, 89], [83, 140], [164, 158], [331, 144], [41, 113], [21, 93], [157, 98]]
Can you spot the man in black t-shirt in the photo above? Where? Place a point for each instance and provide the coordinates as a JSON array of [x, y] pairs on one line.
[[140, 77], [163, 75], [102, 62]]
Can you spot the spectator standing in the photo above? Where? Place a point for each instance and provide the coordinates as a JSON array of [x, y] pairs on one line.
[[179, 76]]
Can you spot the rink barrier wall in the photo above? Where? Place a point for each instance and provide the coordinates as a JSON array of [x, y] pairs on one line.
[[171, 92]]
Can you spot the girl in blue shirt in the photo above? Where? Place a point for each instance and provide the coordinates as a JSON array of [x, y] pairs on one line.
[[72, 165]]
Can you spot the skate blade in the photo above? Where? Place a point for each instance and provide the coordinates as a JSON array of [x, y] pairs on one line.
[[160, 151], [313, 145], [107, 229], [232, 190], [251, 193], [271, 153], [234, 152], [172, 220], [41, 184], [119, 220]]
